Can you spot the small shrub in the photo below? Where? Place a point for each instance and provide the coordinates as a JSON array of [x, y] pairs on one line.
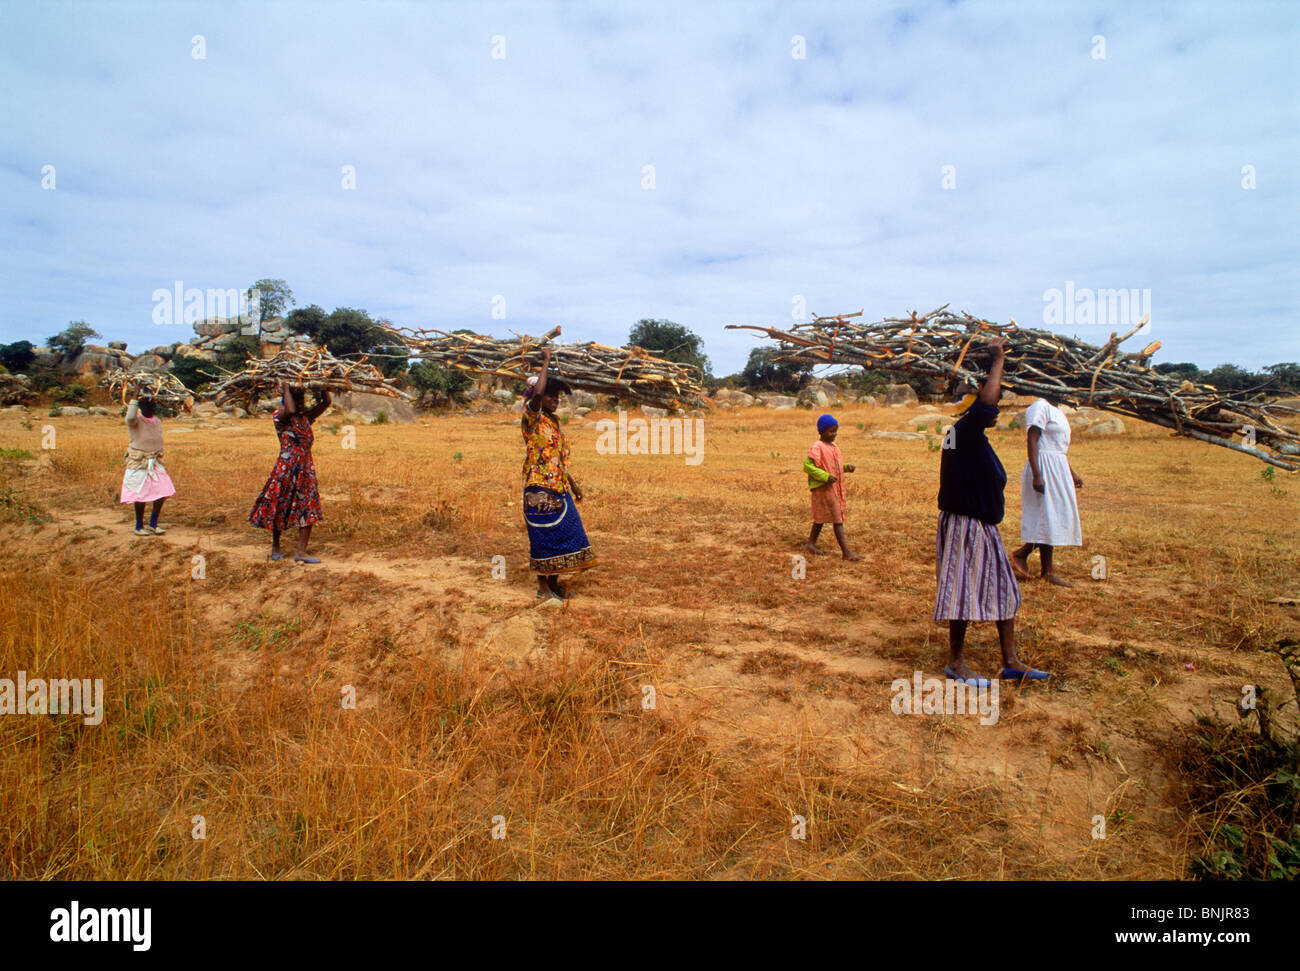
[[14, 506]]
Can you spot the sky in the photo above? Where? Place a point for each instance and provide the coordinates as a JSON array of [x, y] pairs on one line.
[[520, 165]]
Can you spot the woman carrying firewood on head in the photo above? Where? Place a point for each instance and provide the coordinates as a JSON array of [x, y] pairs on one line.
[[557, 542], [145, 480], [291, 497], [1049, 508], [972, 571]]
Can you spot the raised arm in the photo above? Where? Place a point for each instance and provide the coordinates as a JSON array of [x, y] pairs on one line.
[[286, 399], [133, 411], [539, 388], [320, 407], [992, 390]]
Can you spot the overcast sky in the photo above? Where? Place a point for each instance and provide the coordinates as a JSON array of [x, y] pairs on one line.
[[775, 176]]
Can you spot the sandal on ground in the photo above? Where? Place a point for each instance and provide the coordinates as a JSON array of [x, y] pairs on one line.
[[141, 531], [276, 556], [305, 559], [976, 681], [157, 530], [1029, 674]]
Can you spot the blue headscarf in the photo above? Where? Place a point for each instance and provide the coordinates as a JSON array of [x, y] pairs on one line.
[[825, 422]]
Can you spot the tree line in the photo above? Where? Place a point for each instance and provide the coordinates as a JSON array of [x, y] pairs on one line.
[[349, 330]]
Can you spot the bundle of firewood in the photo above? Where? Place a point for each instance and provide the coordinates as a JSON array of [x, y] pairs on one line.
[[630, 373], [948, 347], [303, 366], [162, 387]]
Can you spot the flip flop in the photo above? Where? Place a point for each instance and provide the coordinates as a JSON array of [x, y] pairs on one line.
[[141, 531], [977, 681], [1032, 674], [276, 556], [305, 559]]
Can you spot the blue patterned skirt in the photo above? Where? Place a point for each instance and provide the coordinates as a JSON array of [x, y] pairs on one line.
[[557, 543]]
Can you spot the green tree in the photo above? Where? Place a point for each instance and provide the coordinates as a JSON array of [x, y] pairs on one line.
[[868, 381], [1285, 377], [433, 379], [348, 331], [307, 321], [672, 342], [1230, 377], [193, 372], [238, 351], [762, 373], [72, 339], [17, 356], [273, 297], [1185, 370]]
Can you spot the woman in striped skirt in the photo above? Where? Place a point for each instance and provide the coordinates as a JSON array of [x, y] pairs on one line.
[[972, 570]]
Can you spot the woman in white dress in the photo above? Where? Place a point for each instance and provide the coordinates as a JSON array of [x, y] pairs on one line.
[[1049, 509]]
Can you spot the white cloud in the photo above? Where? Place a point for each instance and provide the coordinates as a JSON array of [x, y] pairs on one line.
[[775, 176]]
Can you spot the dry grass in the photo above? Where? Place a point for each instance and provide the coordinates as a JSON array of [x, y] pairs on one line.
[[223, 693]]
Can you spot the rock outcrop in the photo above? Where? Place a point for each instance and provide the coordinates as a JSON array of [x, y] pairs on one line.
[[900, 394]]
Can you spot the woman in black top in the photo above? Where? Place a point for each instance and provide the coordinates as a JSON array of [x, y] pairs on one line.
[[972, 570]]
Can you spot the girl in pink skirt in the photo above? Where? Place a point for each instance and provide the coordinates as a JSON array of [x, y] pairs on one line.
[[146, 479]]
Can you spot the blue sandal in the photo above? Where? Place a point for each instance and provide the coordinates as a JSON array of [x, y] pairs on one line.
[[276, 556], [305, 559], [977, 681], [1030, 674]]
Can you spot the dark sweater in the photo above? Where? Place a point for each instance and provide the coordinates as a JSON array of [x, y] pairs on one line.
[[971, 477]]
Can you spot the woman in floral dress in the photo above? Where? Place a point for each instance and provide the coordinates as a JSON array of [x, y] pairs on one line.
[[557, 543], [291, 497]]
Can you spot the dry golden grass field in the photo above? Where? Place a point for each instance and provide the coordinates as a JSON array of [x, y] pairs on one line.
[[474, 704]]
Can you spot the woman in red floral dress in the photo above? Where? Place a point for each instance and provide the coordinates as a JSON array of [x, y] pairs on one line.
[[291, 496]]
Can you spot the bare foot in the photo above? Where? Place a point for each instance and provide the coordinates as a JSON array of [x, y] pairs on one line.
[[1053, 578], [1020, 567], [812, 550], [852, 557]]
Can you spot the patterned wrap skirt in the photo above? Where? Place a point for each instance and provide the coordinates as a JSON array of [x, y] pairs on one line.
[[973, 572], [557, 543]]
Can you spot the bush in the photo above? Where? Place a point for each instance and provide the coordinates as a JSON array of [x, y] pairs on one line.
[[763, 374], [17, 357], [193, 372], [868, 382], [71, 393], [1247, 786], [435, 380], [234, 355]]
